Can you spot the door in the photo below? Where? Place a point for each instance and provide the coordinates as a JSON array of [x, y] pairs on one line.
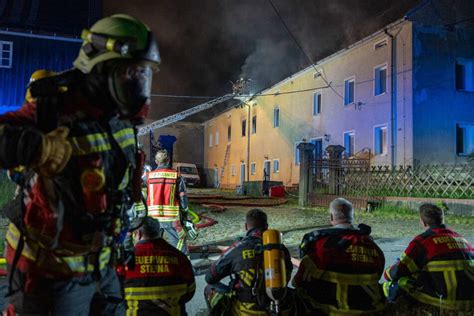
[[266, 169], [216, 177], [242, 173]]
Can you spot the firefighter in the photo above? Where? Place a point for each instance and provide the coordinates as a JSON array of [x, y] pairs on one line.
[[340, 267], [243, 262], [436, 269], [167, 202], [76, 140], [161, 279]]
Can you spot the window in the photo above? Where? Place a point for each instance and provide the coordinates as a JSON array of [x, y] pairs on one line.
[[297, 154], [253, 168], [233, 171], [6, 54], [349, 138], [254, 124], [349, 91], [464, 139], [217, 138], [244, 128], [210, 140], [380, 80], [229, 133], [380, 140], [317, 103], [318, 147], [465, 75], [276, 117], [276, 166]]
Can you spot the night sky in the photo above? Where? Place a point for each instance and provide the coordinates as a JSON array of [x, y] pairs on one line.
[[204, 44]]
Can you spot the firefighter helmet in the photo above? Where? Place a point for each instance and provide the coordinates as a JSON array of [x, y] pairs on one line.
[[119, 36], [161, 156], [38, 74], [127, 52]]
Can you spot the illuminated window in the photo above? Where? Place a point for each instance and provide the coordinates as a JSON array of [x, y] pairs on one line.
[[210, 140]]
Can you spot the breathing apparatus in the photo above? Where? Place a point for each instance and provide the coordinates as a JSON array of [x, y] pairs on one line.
[[275, 270]]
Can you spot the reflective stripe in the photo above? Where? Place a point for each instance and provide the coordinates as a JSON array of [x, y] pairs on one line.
[[440, 266], [155, 292], [338, 277], [125, 137], [451, 284], [406, 260], [77, 264], [164, 207], [126, 179], [132, 308], [87, 144], [163, 175], [341, 296], [441, 303]]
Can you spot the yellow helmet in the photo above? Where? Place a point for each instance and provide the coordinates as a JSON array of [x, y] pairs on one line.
[[38, 74]]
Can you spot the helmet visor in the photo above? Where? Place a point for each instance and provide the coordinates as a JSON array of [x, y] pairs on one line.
[[131, 85]]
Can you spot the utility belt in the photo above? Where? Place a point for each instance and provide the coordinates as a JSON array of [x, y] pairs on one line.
[[252, 295]]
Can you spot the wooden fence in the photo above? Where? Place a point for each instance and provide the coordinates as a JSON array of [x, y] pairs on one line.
[[434, 181]]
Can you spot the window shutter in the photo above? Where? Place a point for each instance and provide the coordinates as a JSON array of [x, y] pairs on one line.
[[346, 92]]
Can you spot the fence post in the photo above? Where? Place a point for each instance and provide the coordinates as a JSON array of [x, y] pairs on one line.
[[335, 155], [306, 151]]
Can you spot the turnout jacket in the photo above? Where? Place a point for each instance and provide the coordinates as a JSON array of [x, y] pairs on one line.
[[160, 282], [69, 224], [340, 270], [440, 264], [241, 262]]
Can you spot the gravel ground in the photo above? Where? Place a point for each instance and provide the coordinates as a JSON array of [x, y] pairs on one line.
[[294, 222]]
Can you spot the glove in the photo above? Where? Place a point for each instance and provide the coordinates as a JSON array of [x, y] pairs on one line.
[[54, 154], [190, 230], [192, 216]]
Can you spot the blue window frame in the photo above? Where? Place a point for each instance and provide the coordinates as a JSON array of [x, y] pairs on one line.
[[349, 142], [349, 86]]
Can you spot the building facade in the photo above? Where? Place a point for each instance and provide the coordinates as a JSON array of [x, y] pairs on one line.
[[21, 54], [404, 93], [38, 35]]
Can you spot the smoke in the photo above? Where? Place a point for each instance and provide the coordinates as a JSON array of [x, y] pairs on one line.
[[205, 44]]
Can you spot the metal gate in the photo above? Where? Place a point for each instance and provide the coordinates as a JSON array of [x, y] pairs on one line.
[[329, 173]]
